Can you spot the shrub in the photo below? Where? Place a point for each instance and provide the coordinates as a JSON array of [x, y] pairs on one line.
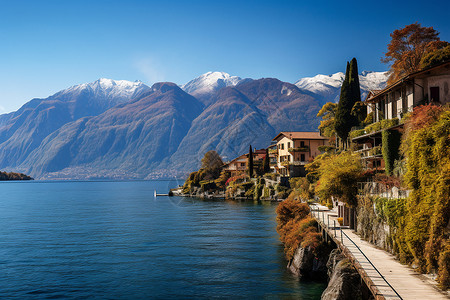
[[389, 123], [296, 228], [324, 148], [383, 124], [291, 210], [257, 192], [444, 269], [373, 127], [356, 133]]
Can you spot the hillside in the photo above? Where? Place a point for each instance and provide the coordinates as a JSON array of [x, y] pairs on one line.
[[122, 129]]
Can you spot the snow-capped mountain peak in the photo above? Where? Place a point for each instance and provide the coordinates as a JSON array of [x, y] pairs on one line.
[[117, 91], [210, 82], [328, 87], [321, 83]]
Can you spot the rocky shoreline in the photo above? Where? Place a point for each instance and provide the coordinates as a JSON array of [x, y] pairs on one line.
[[344, 282]]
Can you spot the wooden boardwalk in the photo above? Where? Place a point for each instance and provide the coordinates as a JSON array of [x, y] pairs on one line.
[[385, 276]]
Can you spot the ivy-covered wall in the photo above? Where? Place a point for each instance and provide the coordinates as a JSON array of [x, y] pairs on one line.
[[390, 148]]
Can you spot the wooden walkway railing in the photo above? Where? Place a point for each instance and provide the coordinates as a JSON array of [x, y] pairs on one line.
[[375, 281]]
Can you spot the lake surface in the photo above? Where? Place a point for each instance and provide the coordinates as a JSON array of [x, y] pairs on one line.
[[115, 240]]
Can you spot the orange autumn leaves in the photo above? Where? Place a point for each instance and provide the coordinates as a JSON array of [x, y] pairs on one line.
[[296, 227]]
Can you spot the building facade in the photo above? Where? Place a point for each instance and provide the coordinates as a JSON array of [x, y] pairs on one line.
[[431, 85], [295, 149], [239, 165], [388, 106]]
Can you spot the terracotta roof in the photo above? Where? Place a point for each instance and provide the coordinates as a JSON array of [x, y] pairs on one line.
[[404, 78], [259, 151], [300, 135]]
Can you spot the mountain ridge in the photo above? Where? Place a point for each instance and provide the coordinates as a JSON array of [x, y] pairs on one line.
[[121, 129]]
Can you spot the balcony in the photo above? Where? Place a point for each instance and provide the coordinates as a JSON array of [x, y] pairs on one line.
[[273, 151], [293, 163], [373, 128], [285, 163], [299, 163], [299, 149], [370, 152]]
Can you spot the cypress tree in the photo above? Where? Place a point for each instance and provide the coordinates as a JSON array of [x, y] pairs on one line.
[[350, 94], [340, 118], [266, 163], [250, 162], [354, 82]]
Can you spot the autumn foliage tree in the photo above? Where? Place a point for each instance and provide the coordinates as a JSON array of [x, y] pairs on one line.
[[407, 48], [328, 113], [211, 165], [296, 227], [338, 176]]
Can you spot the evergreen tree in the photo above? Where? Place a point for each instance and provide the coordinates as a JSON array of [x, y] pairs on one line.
[[266, 163], [354, 82], [350, 94], [250, 162]]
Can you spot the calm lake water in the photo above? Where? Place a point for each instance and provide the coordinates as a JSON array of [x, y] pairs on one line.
[[115, 240]]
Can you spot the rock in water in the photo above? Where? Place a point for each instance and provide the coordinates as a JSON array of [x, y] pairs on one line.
[[345, 282], [306, 265]]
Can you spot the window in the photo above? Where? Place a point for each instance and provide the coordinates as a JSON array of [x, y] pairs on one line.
[[282, 146], [289, 145], [302, 144], [302, 157], [242, 164]]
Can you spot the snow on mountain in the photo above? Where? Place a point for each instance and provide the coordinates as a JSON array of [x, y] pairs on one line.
[[116, 90], [209, 82], [321, 83], [373, 80], [328, 87]]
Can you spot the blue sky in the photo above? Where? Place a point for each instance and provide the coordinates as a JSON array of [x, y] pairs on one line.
[[47, 46]]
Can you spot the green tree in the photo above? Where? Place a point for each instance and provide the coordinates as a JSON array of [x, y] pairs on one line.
[[266, 163], [350, 94], [250, 161], [355, 91], [359, 112]]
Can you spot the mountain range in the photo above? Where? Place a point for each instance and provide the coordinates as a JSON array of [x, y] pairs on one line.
[[120, 129]]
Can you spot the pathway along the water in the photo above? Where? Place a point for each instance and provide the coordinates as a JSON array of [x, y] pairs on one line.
[[385, 276]]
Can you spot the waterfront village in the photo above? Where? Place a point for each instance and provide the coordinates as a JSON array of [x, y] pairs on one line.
[[380, 167]]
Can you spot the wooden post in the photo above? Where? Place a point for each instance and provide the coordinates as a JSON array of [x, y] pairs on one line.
[[334, 226]]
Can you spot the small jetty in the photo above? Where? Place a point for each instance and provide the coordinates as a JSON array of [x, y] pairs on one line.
[[170, 194]]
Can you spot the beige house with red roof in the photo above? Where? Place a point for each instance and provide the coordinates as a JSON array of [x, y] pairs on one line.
[[296, 149]]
